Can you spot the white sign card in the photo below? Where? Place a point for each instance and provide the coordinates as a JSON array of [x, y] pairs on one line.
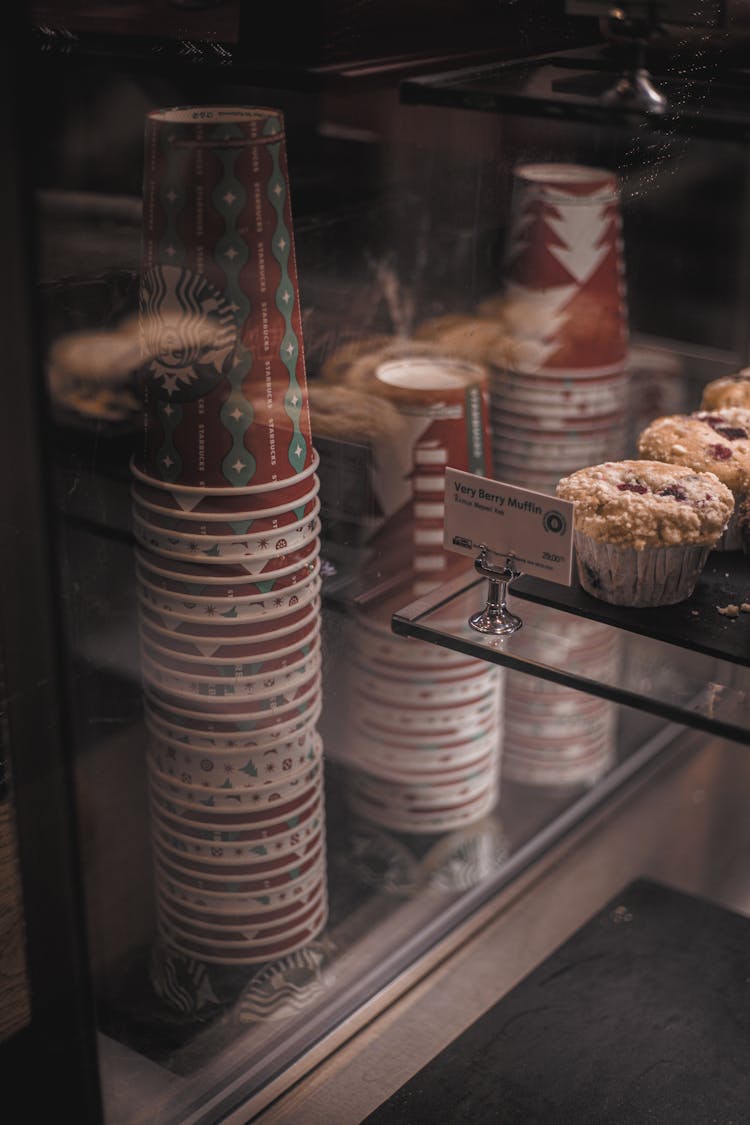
[[535, 529]]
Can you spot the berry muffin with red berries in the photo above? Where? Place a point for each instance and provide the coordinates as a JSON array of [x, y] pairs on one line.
[[712, 442], [644, 529]]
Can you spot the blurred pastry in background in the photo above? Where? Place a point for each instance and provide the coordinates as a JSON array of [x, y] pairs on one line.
[[334, 367], [468, 337], [729, 390], [92, 372]]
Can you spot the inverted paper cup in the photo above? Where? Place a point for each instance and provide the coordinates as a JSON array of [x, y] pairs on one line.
[[239, 769], [259, 914], [217, 501], [282, 582], [228, 928], [243, 538], [234, 711], [241, 522], [240, 884], [565, 245], [225, 394], [193, 786], [425, 793], [419, 768], [249, 865], [424, 822], [586, 773], [416, 672], [256, 640], [207, 543], [440, 693], [250, 953], [209, 817], [236, 851], [447, 745], [235, 735], [430, 739], [218, 832], [267, 901], [301, 565], [271, 655], [187, 686], [224, 629], [253, 552]]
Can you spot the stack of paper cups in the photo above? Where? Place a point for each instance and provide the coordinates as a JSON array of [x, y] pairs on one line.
[[424, 737], [559, 381], [553, 735], [225, 515]]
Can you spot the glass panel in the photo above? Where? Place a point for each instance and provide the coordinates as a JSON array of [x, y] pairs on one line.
[[671, 680], [447, 767]]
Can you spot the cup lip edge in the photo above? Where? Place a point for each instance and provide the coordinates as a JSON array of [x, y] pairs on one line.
[[240, 716], [228, 490], [305, 586], [231, 661], [312, 567], [229, 559], [315, 714], [226, 517], [312, 660], [223, 559]]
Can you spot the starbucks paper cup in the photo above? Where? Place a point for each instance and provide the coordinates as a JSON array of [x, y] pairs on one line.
[[225, 393]]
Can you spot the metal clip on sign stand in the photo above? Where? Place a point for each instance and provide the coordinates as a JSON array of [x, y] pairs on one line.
[[495, 619]]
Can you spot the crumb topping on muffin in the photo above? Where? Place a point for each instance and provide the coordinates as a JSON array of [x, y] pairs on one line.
[[729, 390], [716, 442], [648, 504]]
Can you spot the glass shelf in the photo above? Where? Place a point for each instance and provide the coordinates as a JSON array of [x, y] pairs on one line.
[[699, 680], [570, 85]]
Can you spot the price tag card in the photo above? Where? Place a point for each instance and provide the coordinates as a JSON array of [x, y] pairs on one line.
[[536, 529]]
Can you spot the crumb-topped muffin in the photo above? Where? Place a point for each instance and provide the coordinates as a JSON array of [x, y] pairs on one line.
[[644, 529], [715, 442], [729, 390]]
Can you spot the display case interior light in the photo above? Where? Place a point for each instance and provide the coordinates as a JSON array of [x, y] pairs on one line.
[[682, 13]]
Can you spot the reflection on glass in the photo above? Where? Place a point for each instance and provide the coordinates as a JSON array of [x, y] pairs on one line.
[[425, 738]]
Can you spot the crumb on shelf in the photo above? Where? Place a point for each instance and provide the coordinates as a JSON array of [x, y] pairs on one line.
[[729, 610]]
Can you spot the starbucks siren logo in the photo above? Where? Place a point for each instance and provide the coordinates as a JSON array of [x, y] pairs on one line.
[[188, 332]]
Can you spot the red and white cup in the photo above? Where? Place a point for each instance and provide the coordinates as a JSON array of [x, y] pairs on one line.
[[224, 384]]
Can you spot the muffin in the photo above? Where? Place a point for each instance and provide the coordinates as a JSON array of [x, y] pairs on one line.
[[644, 529], [717, 443], [730, 390]]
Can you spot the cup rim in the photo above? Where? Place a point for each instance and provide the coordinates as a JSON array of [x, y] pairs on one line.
[[316, 794], [231, 661], [289, 858], [227, 517], [205, 560], [142, 560], [241, 716], [313, 718], [312, 567], [265, 616], [314, 742], [307, 667], [229, 490], [308, 908]]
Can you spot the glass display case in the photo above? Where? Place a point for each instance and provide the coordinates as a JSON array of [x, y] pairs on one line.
[[261, 769]]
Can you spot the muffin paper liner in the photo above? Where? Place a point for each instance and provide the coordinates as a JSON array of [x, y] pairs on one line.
[[624, 576]]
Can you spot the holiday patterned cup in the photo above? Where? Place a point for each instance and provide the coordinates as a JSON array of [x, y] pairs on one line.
[[224, 385], [564, 269]]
